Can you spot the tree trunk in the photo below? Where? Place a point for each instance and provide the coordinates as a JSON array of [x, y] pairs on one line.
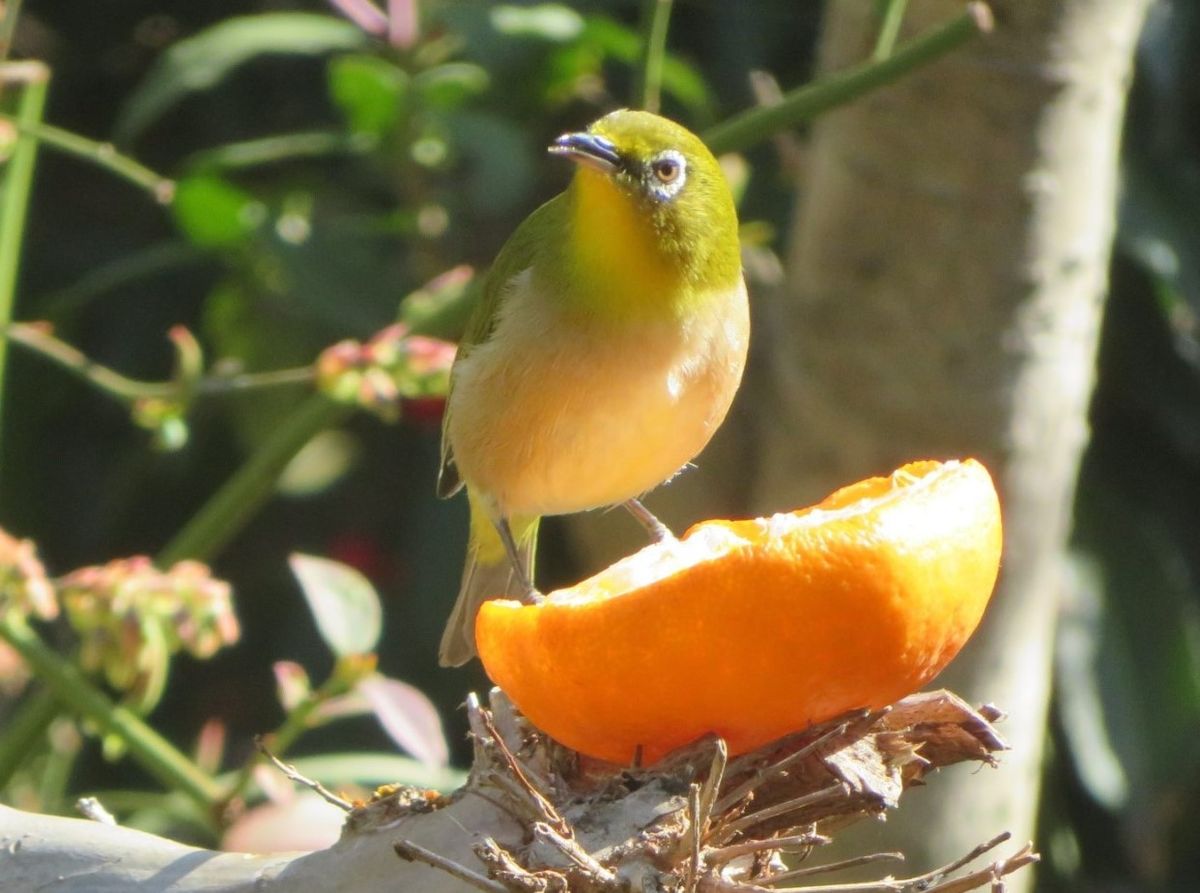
[[945, 278]]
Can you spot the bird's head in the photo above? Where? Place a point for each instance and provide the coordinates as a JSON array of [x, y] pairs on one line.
[[647, 178]]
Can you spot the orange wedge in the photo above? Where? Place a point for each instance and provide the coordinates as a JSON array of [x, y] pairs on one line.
[[754, 629]]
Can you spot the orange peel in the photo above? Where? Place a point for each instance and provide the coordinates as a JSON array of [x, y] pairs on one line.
[[754, 629]]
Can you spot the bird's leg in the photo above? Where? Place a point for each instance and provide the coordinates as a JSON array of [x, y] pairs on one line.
[[531, 595], [659, 532]]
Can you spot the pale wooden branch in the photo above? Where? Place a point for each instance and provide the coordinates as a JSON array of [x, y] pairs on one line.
[[535, 818]]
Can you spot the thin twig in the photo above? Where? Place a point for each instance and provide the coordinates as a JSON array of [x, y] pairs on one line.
[[796, 803], [479, 732], [747, 847], [311, 783], [773, 770], [695, 832], [932, 877], [841, 865], [508, 725], [414, 852], [517, 773], [754, 125], [712, 783], [573, 851], [1024, 856], [921, 883]]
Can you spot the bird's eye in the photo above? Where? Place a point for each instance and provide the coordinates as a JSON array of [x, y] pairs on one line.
[[667, 170]]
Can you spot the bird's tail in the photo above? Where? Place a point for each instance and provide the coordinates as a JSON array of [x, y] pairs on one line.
[[488, 574]]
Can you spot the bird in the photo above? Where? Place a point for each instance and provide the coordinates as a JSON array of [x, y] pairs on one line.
[[606, 348]]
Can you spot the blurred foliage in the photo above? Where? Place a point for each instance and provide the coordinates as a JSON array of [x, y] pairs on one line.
[[1125, 781]]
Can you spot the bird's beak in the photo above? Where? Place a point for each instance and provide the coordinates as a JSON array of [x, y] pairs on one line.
[[587, 149]]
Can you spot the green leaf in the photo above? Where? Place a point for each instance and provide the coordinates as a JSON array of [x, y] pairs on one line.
[[369, 91], [343, 603], [202, 61], [320, 463], [409, 718], [546, 21], [449, 86], [214, 213]]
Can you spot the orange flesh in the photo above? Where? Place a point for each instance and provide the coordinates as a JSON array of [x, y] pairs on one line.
[[712, 540], [753, 629]]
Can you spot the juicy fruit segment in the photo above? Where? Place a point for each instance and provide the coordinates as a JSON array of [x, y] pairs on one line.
[[754, 629]]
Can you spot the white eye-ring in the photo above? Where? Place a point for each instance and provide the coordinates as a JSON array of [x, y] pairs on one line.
[[668, 173]]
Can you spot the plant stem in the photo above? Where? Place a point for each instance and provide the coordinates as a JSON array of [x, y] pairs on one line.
[[889, 29], [161, 189], [107, 277], [14, 193], [8, 27], [248, 381], [754, 125], [108, 382], [276, 149], [65, 742], [230, 507], [153, 752], [126, 390], [656, 16], [23, 731]]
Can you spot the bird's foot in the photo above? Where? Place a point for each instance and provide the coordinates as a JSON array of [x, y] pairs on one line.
[[533, 597], [659, 532]]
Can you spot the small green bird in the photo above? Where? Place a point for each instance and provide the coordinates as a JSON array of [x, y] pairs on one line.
[[606, 350]]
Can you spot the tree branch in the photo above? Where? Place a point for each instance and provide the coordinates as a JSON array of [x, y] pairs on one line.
[[621, 827]]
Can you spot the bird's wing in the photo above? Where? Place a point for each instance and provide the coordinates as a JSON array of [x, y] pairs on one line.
[[518, 254]]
